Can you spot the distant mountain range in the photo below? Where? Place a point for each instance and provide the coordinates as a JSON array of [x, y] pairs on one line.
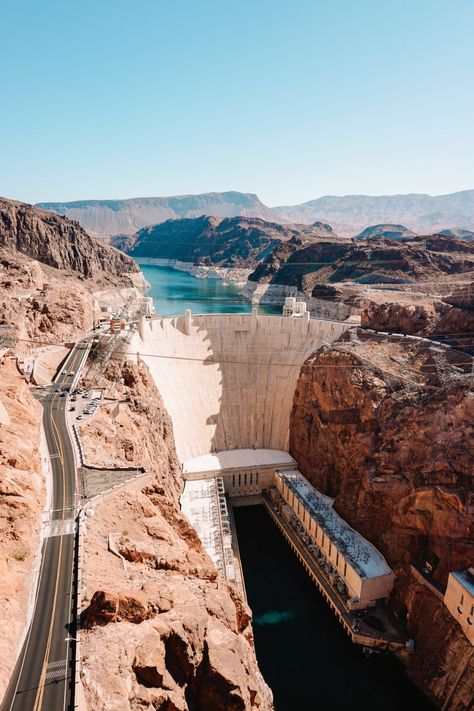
[[348, 214]]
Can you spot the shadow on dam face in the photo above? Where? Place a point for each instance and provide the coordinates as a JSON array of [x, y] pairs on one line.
[[228, 380]]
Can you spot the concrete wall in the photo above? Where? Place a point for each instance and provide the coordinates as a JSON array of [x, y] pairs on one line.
[[228, 380], [460, 602], [367, 589]]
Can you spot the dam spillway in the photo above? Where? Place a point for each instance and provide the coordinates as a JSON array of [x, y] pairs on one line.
[[228, 380]]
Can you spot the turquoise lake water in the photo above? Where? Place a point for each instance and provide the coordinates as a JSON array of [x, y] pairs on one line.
[[174, 291], [303, 653]]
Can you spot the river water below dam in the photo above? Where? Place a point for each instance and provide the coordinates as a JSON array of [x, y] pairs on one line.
[[304, 655]]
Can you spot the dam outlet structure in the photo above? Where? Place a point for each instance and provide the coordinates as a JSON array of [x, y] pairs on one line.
[[228, 382]]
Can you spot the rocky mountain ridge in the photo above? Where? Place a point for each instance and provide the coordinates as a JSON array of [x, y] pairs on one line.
[[375, 261], [112, 217], [59, 242], [386, 232], [214, 241], [349, 214]]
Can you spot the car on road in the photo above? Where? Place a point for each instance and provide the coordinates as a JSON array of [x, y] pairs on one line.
[[63, 372], [58, 390]]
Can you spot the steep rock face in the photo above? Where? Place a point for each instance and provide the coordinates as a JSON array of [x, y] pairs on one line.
[[162, 631], [375, 427], [448, 323], [444, 660], [57, 241], [64, 312], [22, 493]]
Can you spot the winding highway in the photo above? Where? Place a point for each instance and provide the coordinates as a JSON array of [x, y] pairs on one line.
[[44, 676]]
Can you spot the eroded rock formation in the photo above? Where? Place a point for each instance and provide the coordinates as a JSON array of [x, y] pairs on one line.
[[161, 630], [58, 242], [450, 319], [22, 493], [387, 428]]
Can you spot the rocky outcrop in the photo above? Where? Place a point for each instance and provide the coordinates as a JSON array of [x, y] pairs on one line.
[[22, 493], [450, 319], [161, 631], [386, 428], [58, 242], [443, 664], [386, 231], [376, 261]]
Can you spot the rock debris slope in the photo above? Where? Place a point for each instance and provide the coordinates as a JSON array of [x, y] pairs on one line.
[[161, 630], [22, 492]]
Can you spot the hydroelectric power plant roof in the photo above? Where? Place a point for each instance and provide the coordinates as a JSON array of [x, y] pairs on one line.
[[357, 549], [237, 459]]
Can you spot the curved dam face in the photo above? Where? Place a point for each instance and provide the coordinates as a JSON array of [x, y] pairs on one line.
[[228, 380]]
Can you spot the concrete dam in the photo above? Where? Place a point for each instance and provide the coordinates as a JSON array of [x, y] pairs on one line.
[[228, 380]]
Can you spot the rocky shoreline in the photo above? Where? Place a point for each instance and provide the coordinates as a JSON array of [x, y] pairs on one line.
[[229, 275]]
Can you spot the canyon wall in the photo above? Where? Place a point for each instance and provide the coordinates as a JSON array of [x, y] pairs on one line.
[[58, 242], [387, 428], [228, 381], [22, 497], [162, 631]]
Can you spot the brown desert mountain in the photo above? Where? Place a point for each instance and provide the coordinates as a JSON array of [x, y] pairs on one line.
[[348, 214]]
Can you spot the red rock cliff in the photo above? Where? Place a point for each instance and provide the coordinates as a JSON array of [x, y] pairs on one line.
[[162, 630], [387, 429]]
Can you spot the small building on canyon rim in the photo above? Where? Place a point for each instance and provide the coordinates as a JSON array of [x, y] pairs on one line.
[[459, 599]]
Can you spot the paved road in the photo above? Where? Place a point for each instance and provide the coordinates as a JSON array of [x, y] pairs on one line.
[[44, 674]]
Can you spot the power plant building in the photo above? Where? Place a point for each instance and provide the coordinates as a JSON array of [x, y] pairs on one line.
[[357, 566]]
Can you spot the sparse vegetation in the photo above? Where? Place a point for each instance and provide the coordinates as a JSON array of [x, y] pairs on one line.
[[21, 553]]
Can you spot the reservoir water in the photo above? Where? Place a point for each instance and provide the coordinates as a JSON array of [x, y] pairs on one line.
[[173, 291], [304, 655]]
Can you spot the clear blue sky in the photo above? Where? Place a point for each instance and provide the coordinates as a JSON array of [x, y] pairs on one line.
[[291, 99]]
